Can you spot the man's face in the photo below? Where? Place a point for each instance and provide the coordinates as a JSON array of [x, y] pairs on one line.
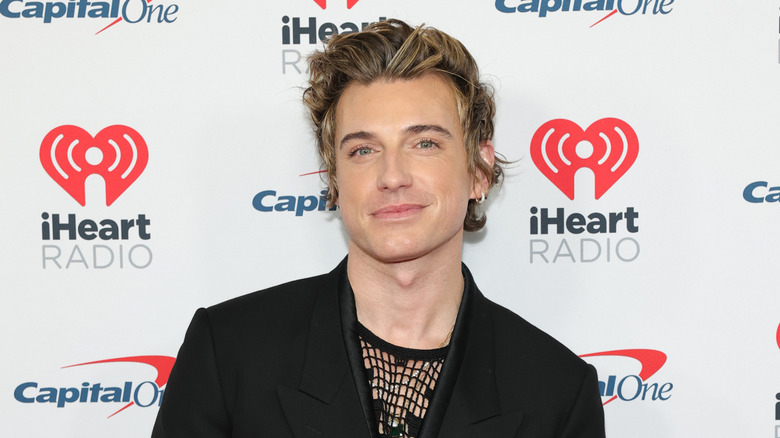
[[401, 168]]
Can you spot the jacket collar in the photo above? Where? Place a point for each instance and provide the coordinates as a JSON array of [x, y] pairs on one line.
[[329, 400], [326, 402], [472, 408], [326, 361], [475, 343]]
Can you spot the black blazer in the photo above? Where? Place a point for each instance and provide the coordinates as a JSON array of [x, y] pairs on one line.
[[285, 363]]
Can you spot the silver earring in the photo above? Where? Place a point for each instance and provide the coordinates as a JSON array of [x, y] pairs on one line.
[[482, 199]]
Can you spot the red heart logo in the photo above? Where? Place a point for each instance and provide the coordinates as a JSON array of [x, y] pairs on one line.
[[121, 159], [323, 3], [609, 148], [778, 336]]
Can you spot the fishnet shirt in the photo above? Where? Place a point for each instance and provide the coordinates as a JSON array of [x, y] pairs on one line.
[[402, 381]]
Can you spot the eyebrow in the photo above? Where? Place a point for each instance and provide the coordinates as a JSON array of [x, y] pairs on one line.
[[414, 129], [419, 129], [360, 135]]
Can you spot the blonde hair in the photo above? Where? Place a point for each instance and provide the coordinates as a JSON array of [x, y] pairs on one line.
[[391, 50]]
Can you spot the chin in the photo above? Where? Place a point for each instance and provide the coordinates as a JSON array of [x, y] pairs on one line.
[[403, 253], [396, 256], [387, 251]]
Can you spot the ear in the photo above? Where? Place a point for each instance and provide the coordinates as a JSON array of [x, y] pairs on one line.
[[481, 183]]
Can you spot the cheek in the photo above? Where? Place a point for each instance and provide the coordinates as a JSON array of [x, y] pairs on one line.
[[456, 192], [464, 183], [350, 185], [343, 179], [338, 179]]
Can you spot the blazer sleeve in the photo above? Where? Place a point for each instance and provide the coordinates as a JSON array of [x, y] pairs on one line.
[[586, 419], [193, 404]]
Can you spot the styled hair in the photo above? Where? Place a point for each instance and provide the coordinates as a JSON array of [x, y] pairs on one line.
[[392, 50]]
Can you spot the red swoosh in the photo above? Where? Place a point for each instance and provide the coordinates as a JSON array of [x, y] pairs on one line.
[[608, 15], [163, 365], [651, 361], [117, 21], [313, 173]]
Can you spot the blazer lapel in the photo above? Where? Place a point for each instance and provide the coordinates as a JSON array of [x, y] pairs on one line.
[[475, 409], [326, 403]]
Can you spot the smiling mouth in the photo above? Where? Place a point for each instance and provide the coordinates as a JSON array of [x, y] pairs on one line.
[[399, 211]]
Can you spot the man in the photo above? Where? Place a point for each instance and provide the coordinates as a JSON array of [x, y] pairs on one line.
[[397, 340]]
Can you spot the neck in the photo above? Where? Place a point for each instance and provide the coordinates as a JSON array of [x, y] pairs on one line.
[[412, 304]]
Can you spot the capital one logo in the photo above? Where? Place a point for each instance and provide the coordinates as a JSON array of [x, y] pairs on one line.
[[129, 11], [118, 154], [323, 3], [633, 386], [608, 147], [143, 394]]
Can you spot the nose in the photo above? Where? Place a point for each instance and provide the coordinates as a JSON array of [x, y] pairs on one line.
[[394, 171]]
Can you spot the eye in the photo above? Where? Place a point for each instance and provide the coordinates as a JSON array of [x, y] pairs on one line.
[[427, 144], [360, 151]]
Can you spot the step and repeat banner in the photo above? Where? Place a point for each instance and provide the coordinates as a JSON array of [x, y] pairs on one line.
[[155, 157]]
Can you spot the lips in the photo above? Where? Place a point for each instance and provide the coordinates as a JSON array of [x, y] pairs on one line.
[[397, 211]]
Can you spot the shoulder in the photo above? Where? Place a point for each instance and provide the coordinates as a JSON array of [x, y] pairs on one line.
[[277, 306], [264, 330], [519, 340], [537, 374], [531, 358]]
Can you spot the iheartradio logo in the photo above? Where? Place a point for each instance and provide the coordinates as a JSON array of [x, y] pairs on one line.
[[608, 147], [118, 153]]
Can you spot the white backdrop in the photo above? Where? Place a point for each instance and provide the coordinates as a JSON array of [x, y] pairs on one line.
[[214, 93]]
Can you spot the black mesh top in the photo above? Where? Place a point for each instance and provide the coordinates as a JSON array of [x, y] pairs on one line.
[[402, 381]]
